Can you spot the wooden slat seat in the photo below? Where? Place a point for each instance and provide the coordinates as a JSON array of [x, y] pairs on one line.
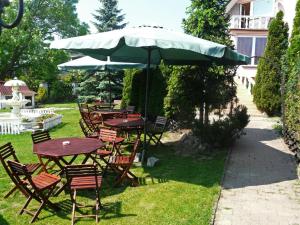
[[45, 180], [120, 160], [85, 182], [104, 153]]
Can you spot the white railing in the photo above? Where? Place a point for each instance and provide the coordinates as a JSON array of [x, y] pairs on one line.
[[52, 122], [10, 127], [37, 111], [250, 22]]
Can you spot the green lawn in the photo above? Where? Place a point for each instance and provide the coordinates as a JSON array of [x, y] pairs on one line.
[[179, 190]]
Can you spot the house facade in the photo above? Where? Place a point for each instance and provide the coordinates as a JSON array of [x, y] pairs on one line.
[[249, 30]]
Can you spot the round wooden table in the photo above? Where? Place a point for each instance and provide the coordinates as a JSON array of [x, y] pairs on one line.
[[55, 150]]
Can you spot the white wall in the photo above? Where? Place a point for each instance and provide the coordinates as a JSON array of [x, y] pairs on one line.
[[289, 9]]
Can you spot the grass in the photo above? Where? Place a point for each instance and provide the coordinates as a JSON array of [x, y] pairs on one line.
[[178, 190]]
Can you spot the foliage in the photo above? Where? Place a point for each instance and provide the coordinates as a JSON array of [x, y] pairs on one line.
[[223, 133], [292, 100], [98, 85], [199, 178], [61, 92], [134, 91], [24, 50], [44, 117], [213, 85], [266, 92], [41, 96], [109, 17], [292, 71], [178, 104]]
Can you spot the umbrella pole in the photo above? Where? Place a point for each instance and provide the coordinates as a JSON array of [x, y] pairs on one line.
[[146, 105], [109, 83]]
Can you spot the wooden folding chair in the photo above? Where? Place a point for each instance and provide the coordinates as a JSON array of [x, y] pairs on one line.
[[42, 186], [87, 130], [82, 177], [113, 144], [156, 130], [122, 164], [7, 152], [38, 137]]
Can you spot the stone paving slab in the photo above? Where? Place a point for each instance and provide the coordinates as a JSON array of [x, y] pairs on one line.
[[261, 186]]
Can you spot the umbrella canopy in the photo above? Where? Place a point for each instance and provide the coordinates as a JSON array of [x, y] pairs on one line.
[[151, 45], [89, 63], [131, 44]]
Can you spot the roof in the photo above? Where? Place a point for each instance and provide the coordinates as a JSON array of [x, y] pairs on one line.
[[6, 90]]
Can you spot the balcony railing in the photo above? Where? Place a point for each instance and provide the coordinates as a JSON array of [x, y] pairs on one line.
[[250, 22]]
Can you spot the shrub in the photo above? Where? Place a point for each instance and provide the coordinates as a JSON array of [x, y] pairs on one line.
[[134, 91], [41, 96], [266, 92], [223, 133], [61, 92]]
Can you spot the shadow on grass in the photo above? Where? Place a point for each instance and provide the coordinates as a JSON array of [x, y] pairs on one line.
[[194, 170], [3, 221], [107, 211]]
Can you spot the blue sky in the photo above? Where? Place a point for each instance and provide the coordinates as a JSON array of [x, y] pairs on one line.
[[166, 13]]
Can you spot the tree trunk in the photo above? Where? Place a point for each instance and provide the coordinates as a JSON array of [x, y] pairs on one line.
[[206, 116], [201, 113]]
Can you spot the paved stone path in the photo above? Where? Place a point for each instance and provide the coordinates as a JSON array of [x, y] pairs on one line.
[[261, 185]]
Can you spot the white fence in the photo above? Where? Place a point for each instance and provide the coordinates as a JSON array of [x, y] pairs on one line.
[[52, 122], [10, 127], [37, 111], [250, 22]]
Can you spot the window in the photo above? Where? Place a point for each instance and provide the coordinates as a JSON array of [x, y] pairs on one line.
[[244, 45], [251, 46]]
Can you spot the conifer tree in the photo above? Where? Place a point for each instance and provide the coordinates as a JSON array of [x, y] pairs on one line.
[[266, 92], [108, 17], [213, 85]]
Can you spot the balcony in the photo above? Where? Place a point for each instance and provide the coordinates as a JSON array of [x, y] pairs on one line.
[[250, 22]]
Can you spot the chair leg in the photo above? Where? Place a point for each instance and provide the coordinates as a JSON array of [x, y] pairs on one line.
[[38, 211], [25, 205], [11, 191], [73, 207]]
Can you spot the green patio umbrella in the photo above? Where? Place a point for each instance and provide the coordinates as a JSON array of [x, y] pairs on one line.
[[151, 45], [91, 64]]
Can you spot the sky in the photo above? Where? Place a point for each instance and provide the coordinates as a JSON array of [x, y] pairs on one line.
[[166, 13]]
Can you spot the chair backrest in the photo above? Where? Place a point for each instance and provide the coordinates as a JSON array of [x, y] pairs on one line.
[[40, 136], [134, 151], [161, 122], [130, 109], [7, 151], [19, 170], [85, 170], [107, 135], [85, 128]]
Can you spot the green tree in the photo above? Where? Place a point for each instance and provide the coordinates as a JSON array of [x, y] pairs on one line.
[[134, 91], [108, 17], [24, 50], [212, 86], [266, 92], [292, 71]]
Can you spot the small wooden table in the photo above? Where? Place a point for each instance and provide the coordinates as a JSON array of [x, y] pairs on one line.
[[55, 149]]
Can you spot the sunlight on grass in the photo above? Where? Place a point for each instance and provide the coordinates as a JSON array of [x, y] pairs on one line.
[[178, 190]]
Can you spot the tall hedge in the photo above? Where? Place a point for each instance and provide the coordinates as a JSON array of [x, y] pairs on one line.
[[134, 91], [292, 96], [266, 92]]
